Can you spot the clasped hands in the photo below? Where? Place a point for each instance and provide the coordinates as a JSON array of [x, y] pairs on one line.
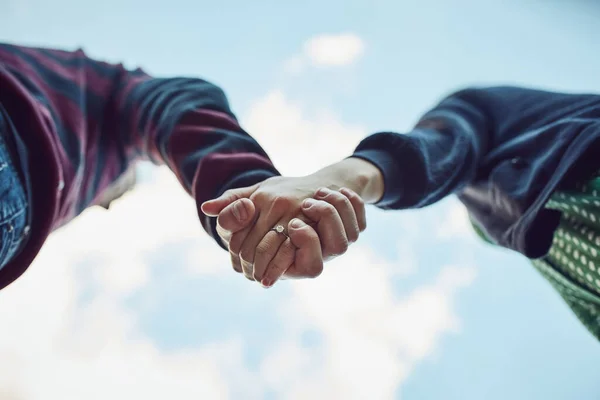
[[321, 214]]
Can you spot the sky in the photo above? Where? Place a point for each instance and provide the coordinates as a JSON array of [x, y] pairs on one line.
[[138, 302]]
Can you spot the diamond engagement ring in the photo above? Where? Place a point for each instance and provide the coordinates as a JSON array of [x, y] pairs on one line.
[[279, 229]]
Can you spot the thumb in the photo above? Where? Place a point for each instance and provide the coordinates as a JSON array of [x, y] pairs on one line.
[[309, 259], [213, 207], [236, 216]]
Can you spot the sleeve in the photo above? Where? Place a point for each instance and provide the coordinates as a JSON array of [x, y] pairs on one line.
[[437, 158], [187, 124], [445, 151], [121, 115]]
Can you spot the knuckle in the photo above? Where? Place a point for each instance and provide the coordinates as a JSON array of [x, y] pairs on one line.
[[230, 194], [332, 196], [358, 199], [287, 250], [358, 203], [344, 247], [345, 198], [315, 270], [226, 222], [235, 243], [260, 197], [248, 272], [328, 210], [348, 193], [355, 200], [262, 250], [246, 256], [351, 194], [281, 203], [276, 269], [237, 268], [284, 258], [340, 200], [260, 269], [353, 234], [340, 247], [256, 276], [220, 222], [288, 253], [235, 263]]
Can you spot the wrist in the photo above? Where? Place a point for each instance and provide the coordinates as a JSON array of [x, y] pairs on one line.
[[358, 175]]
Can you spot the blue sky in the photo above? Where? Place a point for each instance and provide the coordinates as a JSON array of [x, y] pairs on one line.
[[419, 309]]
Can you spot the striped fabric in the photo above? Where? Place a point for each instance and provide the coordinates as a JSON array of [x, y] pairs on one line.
[[85, 123]]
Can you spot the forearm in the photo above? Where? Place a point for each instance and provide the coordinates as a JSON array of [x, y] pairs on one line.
[[199, 138], [185, 123], [107, 116], [359, 175], [85, 100], [406, 171], [439, 157]]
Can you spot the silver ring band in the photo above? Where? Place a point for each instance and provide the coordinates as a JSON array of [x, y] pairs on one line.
[[280, 229]]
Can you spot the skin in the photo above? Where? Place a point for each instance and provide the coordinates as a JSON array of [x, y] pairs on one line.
[[323, 212]]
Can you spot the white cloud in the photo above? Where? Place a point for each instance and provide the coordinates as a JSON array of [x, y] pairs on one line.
[[298, 142], [456, 223], [372, 339], [327, 51], [334, 50], [51, 346], [294, 65]]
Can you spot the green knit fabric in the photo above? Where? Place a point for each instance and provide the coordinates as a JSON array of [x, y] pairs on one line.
[[572, 265], [575, 252]]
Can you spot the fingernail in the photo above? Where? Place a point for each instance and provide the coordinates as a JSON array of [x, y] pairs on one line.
[[322, 192], [239, 211], [308, 203], [266, 283], [296, 223]]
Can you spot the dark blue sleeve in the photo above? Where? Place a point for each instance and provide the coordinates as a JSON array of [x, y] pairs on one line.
[[439, 157], [446, 150]]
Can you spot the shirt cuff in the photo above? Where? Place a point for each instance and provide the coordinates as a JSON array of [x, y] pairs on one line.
[[371, 150]]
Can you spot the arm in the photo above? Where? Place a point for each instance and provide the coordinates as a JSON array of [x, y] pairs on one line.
[[120, 116], [446, 150], [377, 160], [187, 124], [439, 157]]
